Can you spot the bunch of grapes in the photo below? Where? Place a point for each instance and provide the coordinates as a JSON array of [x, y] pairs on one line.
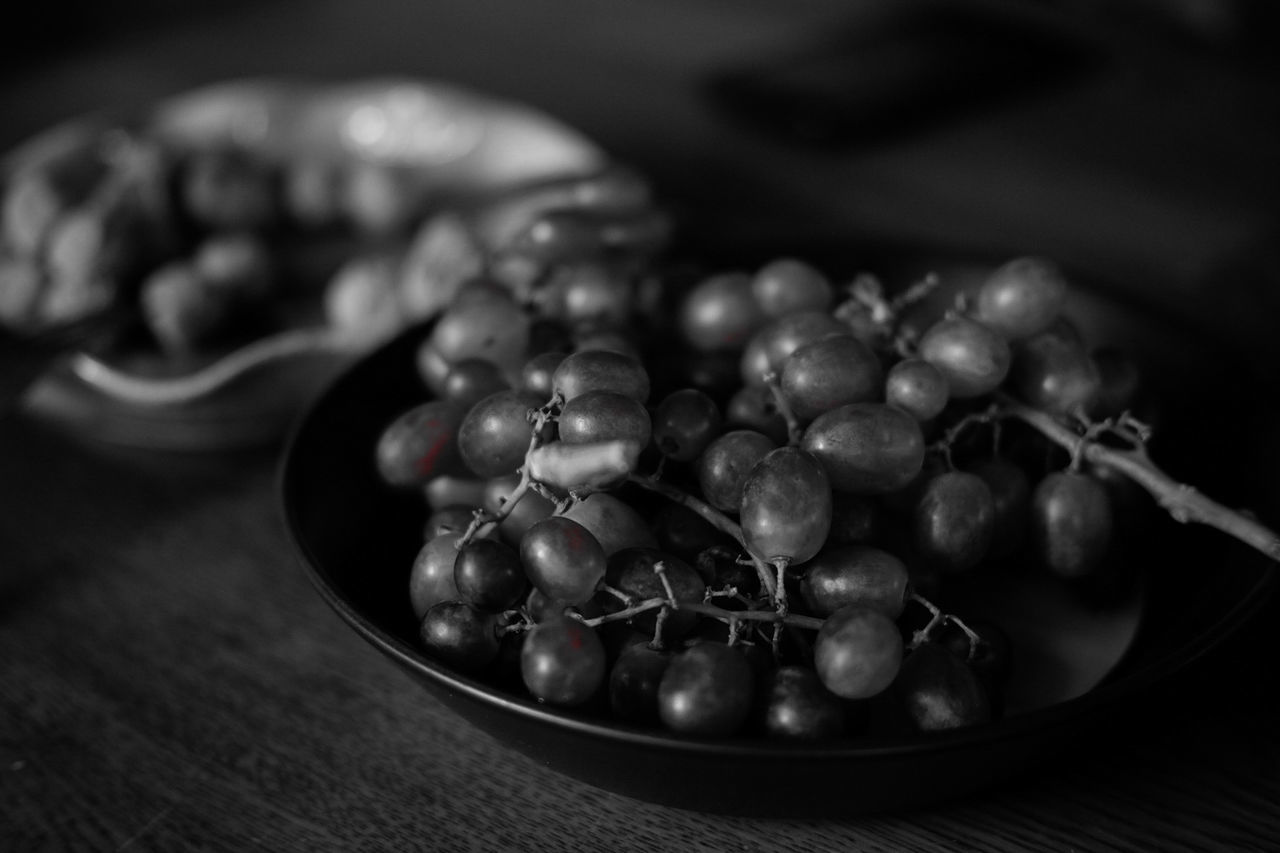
[[742, 525]]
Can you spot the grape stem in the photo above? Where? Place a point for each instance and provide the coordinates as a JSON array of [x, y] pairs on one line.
[[716, 519], [1183, 502], [728, 616]]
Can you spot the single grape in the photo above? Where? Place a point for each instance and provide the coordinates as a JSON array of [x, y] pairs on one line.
[[917, 387], [974, 358], [1119, 380], [723, 467], [493, 329], [1071, 523], [1022, 298], [471, 380], [431, 579], [590, 293], [706, 690], [954, 521], [420, 444], [866, 448], [797, 706], [494, 436], [562, 661], [535, 376], [601, 370], [558, 236], [991, 658], [720, 313], [598, 416], [489, 575], [182, 313], [786, 506], [462, 636], [240, 265], [753, 407], [633, 683], [634, 572], [378, 199], [830, 372], [788, 285], [1053, 370], [613, 522], [770, 347], [855, 574], [938, 691], [563, 559], [684, 423], [857, 652]]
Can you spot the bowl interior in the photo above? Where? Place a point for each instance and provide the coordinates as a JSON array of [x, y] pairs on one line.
[[1089, 661]]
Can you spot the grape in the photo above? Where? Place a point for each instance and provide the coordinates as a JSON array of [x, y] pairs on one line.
[[633, 683], [786, 506], [917, 387], [1071, 523], [770, 347], [1022, 298], [684, 423], [613, 523], [954, 521], [180, 311], [556, 236], [991, 658], [601, 370], [828, 373], [788, 286], [494, 435], [489, 575], [797, 706], [720, 313], [973, 358], [562, 661], [706, 690], [1119, 379], [857, 652], [1054, 371], [494, 329], [462, 636], [723, 467], [866, 448], [604, 416], [754, 407], [589, 293], [420, 444], [227, 189], [471, 380], [377, 198], [563, 559], [535, 376], [447, 490], [855, 574], [939, 692], [431, 580]]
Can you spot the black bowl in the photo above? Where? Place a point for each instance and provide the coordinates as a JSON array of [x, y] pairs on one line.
[[357, 539]]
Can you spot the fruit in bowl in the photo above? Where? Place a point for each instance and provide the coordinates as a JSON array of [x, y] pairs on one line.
[[778, 516]]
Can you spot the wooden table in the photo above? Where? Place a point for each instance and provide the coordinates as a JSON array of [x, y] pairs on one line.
[[168, 678]]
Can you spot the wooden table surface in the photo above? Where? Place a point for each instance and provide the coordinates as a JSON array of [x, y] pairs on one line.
[[169, 680]]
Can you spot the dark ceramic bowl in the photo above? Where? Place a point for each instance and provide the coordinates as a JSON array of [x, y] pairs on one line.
[[357, 539]]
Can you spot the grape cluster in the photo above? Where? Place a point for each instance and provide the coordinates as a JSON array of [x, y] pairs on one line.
[[728, 524]]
